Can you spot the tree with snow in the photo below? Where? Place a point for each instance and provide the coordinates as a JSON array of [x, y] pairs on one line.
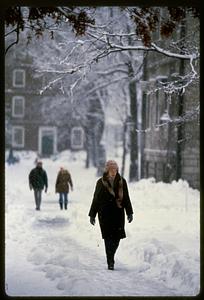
[[115, 35]]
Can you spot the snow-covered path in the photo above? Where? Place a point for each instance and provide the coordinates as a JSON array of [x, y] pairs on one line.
[[52, 252], [73, 269]]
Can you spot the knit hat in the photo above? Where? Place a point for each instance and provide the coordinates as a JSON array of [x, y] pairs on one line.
[[111, 164]]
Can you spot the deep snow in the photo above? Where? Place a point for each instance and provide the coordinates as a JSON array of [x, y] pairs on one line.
[[59, 253]]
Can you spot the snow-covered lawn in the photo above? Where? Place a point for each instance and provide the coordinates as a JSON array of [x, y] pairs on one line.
[[59, 253]]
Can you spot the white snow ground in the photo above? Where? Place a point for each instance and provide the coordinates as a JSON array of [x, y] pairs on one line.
[[59, 253]]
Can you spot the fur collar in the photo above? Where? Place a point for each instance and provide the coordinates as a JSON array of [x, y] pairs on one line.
[[116, 190]]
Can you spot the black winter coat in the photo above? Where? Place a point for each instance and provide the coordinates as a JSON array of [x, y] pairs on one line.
[[111, 218], [38, 178]]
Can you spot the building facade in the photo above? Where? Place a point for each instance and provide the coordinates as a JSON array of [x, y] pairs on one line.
[[169, 139], [34, 119]]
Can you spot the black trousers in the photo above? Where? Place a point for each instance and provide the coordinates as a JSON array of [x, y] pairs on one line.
[[111, 246]]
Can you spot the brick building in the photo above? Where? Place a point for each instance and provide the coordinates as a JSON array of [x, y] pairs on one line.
[[170, 147]]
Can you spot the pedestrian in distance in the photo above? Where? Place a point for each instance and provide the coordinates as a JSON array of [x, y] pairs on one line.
[[11, 158], [62, 184], [110, 201], [38, 181]]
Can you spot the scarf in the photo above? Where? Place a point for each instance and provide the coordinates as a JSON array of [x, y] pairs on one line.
[[116, 190]]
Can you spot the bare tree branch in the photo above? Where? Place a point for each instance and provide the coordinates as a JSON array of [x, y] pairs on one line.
[[16, 41]]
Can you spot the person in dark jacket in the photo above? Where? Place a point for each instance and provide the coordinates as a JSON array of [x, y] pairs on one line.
[[111, 201], [37, 181], [62, 186]]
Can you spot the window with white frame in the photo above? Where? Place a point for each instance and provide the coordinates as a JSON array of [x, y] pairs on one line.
[[77, 138], [18, 136], [19, 78], [18, 105]]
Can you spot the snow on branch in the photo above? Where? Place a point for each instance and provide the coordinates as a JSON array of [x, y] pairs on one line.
[[112, 71], [106, 84], [156, 48], [112, 47], [177, 83], [48, 86], [191, 57], [64, 72], [188, 116], [72, 87]]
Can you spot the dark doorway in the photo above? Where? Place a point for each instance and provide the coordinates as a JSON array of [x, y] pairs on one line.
[[47, 145]]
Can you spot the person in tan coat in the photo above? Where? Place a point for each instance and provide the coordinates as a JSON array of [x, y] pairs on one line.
[[63, 182]]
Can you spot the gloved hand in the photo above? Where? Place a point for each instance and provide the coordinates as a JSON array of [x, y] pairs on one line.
[[30, 185], [130, 218], [92, 220]]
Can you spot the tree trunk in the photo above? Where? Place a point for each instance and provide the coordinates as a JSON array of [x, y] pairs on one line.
[[180, 130], [143, 118], [170, 167], [124, 149], [180, 133], [87, 148], [133, 176]]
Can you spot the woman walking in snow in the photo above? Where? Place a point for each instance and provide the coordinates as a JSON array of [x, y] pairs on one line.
[[110, 200], [62, 186]]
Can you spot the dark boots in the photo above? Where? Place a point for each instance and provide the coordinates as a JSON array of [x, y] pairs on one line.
[[61, 205], [111, 246], [110, 262]]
